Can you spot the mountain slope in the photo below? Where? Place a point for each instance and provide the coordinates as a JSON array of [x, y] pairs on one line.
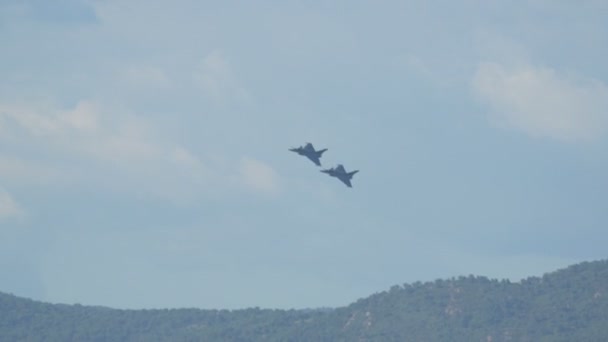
[[567, 305]]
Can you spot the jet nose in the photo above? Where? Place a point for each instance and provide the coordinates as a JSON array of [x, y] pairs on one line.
[[325, 171]]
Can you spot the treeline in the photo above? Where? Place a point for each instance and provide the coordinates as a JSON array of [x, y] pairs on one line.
[[567, 305]]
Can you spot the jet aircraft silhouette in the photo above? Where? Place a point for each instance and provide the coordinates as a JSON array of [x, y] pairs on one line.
[[309, 151], [341, 174]]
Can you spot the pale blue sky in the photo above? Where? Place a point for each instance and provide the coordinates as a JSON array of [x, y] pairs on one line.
[[144, 160]]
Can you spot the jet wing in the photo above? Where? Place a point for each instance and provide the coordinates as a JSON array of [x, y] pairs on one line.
[[346, 181], [340, 169], [314, 159]]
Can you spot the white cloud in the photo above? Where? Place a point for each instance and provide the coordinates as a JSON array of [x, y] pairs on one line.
[[30, 119], [119, 145], [45, 122], [9, 208], [82, 118], [258, 176], [146, 76], [218, 81], [119, 151], [128, 141], [182, 156], [192, 166], [80, 131], [544, 103]]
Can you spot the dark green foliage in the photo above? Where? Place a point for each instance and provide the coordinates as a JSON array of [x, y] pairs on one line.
[[567, 305]]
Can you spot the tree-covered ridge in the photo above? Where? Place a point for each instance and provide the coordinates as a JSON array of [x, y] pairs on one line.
[[567, 305]]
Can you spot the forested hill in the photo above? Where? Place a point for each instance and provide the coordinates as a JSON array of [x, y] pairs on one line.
[[567, 305]]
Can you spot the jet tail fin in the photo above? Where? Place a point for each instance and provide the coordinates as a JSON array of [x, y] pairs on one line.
[[320, 152], [352, 173]]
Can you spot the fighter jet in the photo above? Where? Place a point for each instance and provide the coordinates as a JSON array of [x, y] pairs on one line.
[[341, 174], [309, 151]]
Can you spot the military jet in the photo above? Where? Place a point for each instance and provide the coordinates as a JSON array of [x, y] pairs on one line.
[[341, 174], [309, 151]]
